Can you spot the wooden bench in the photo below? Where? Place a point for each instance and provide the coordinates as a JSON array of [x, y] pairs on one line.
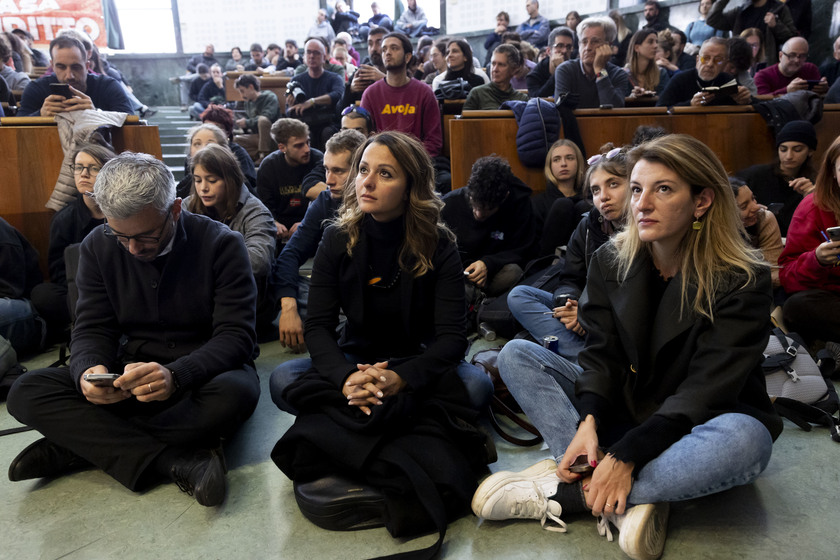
[[32, 159], [738, 135], [276, 83]]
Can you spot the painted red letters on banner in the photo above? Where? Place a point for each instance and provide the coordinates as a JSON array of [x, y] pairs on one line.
[[45, 18]]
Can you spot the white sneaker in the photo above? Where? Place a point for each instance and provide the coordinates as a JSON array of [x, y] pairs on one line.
[[641, 528], [521, 495]]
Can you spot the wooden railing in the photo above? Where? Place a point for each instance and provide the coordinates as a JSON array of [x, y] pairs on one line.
[[29, 168], [738, 135]]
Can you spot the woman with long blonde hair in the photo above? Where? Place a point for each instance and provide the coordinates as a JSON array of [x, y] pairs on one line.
[[669, 383]]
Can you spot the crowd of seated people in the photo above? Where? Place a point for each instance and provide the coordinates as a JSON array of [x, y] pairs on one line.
[[356, 163]]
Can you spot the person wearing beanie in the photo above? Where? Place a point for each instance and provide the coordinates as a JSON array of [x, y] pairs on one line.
[[781, 185]]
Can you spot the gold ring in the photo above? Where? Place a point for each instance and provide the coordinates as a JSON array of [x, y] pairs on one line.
[[150, 387]]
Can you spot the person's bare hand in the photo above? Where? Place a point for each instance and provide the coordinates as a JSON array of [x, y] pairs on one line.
[[291, 326], [477, 273], [602, 55], [101, 395], [147, 381], [770, 19], [802, 185], [743, 97]]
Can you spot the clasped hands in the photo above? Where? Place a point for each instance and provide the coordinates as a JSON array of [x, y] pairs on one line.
[[370, 384], [146, 381]]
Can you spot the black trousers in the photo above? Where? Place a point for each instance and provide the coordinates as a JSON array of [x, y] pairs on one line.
[[123, 439], [814, 314]]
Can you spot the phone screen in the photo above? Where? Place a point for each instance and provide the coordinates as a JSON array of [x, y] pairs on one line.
[[61, 89]]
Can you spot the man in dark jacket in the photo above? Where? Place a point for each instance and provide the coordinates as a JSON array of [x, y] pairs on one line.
[[690, 87], [771, 17], [292, 288], [540, 80], [87, 91], [167, 307], [491, 218]]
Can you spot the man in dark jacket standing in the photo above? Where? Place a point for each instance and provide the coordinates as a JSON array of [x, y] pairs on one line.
[[491, 218], [167, 305]]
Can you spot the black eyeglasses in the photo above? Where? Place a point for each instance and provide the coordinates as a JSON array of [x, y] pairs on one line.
[[142, 239], [355, 109], [79, 169]]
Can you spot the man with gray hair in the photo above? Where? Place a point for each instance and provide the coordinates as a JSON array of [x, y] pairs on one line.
[[593, 77], [163, 345]]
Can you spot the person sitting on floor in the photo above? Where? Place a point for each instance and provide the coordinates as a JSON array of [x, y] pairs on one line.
[[70, 226], [809, 271], [198, 137], [504, 63], [761, 225], [19, 274], [559, 208], [676, 311], [783, 183], [492, 220], [218, 191], [166, 304], [282, 181], [606, 181], [222, 117], [293, 288]]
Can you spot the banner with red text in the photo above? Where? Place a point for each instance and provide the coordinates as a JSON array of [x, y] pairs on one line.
[[45, 18]]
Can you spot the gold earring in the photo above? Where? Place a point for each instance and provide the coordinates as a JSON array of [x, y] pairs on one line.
[[697, 225]]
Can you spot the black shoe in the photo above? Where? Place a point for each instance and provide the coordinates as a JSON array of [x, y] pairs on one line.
[[201, 475], [338, 504], [147, 112], [44, 458]]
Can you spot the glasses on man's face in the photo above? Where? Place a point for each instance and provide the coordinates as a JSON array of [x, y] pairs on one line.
[[606, 157], [142, 239], [717, 60], [562, 47], [91, 169], [795, 56]]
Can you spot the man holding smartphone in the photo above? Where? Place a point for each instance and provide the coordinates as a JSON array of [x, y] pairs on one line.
[[167, 300], [46, 98], [792, 73]]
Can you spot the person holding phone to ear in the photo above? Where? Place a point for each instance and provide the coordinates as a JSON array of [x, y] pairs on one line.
[[84, 91], [810, 261]]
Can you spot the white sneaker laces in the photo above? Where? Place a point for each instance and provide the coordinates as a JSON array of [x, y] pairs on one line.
[[537, 506], [604, 521]]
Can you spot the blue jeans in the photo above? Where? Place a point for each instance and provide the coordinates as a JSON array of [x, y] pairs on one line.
[[727, 451], [529, 305], [478, 384], [21, 325]]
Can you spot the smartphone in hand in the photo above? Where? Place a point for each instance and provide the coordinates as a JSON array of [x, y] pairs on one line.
[[61, 89], [101, 379]]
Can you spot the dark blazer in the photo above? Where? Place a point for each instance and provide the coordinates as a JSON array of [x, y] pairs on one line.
[[426, 345], [658, 369]]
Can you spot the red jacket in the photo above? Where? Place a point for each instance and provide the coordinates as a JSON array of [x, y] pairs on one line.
[[800, 269]]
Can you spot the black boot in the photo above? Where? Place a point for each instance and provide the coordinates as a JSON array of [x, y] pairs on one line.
[[44, 458], [201, 474]]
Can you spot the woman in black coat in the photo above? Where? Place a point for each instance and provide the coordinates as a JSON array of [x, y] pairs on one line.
[[669, 401], [391, 379]]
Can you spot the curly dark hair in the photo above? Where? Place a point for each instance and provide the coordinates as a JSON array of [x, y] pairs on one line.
[[489, 181]]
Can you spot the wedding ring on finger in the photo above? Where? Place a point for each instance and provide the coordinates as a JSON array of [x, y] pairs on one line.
[[150, 387]]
